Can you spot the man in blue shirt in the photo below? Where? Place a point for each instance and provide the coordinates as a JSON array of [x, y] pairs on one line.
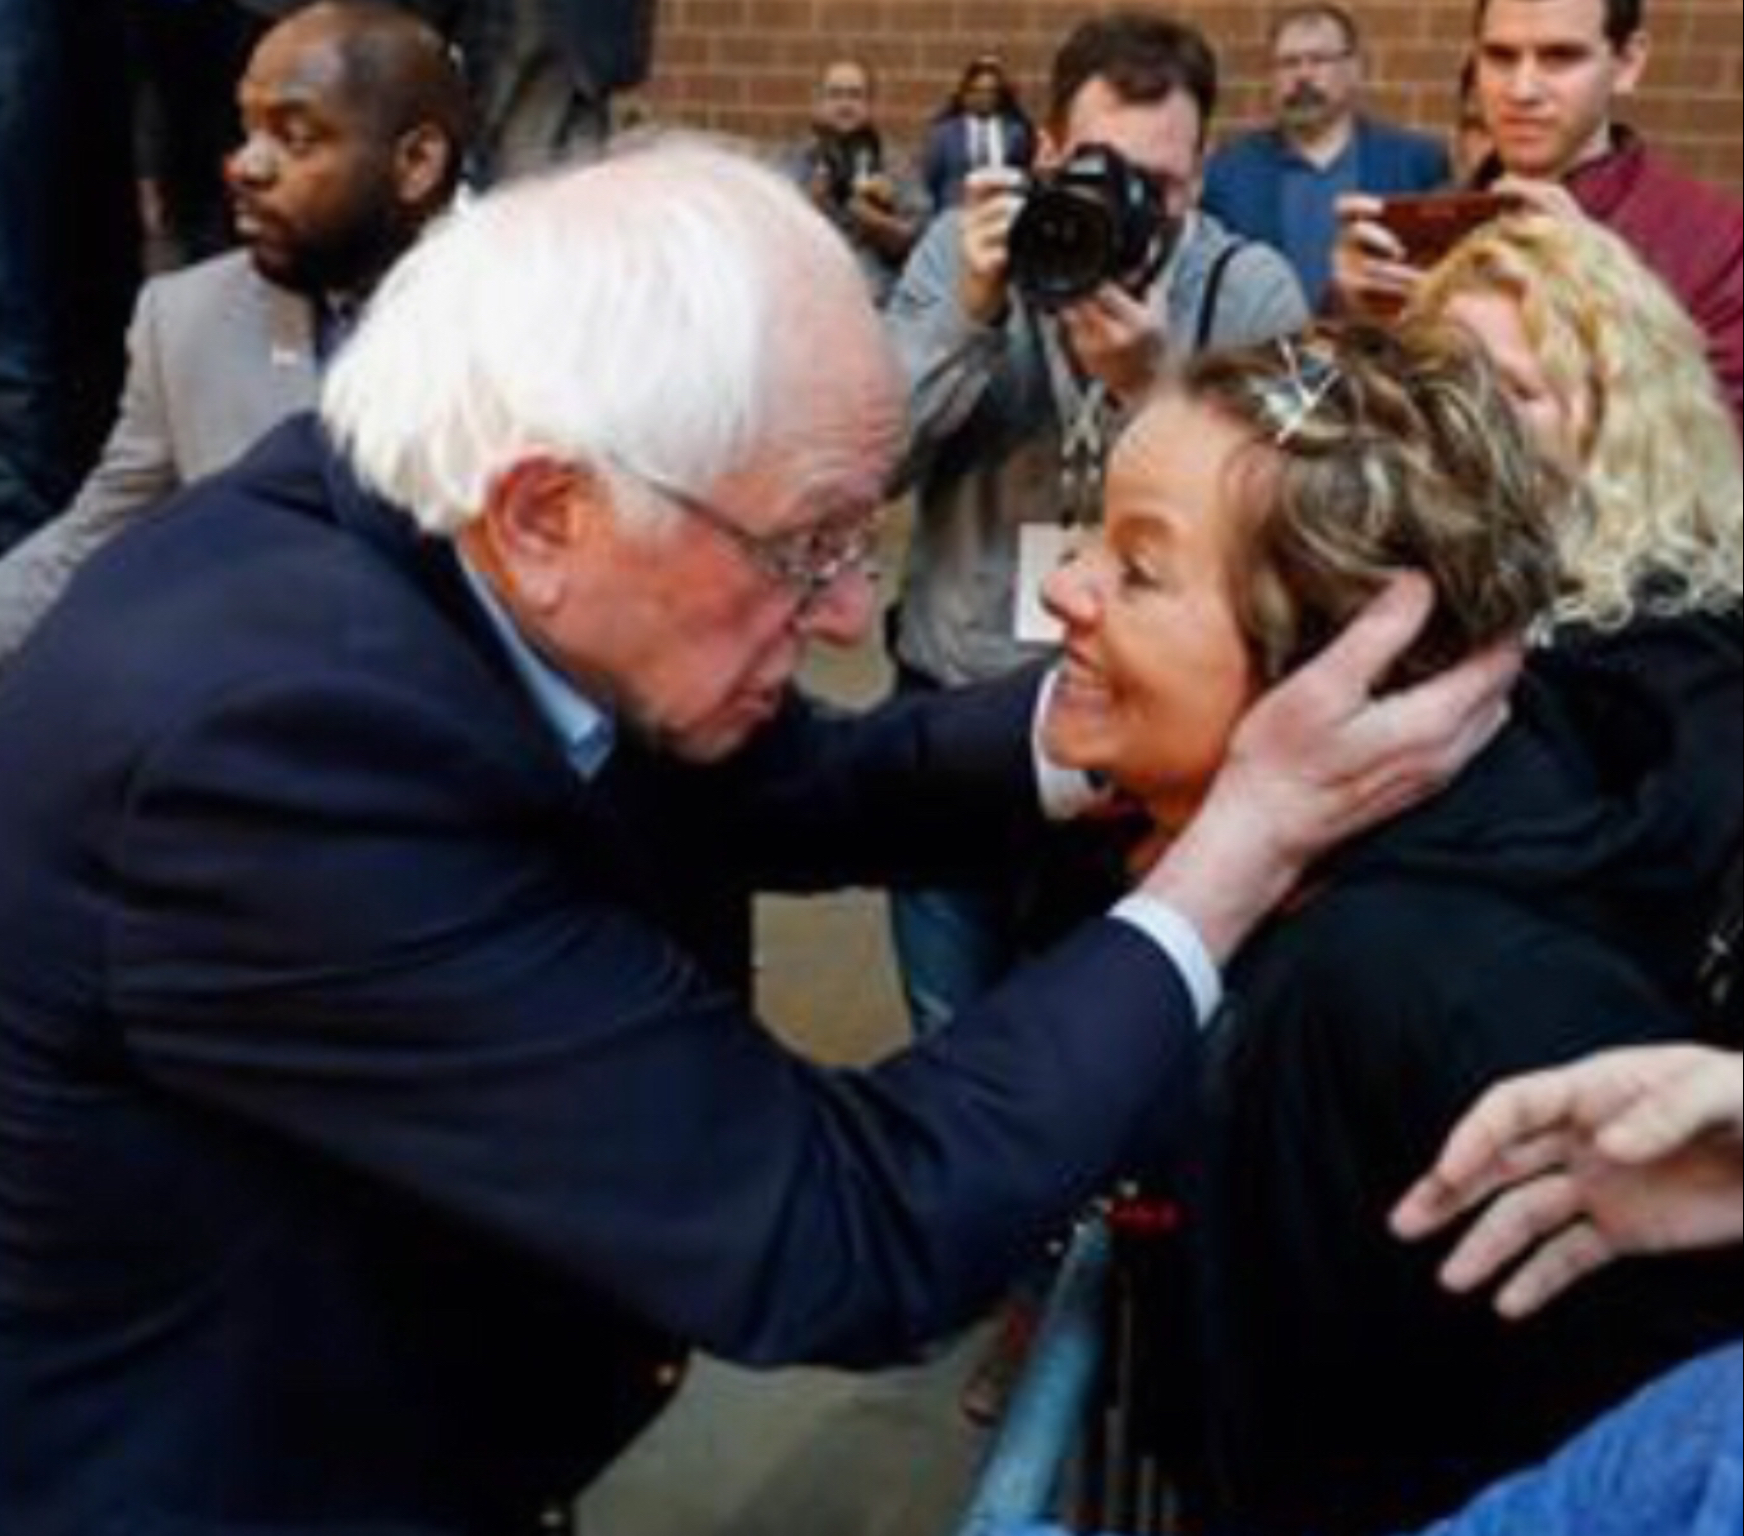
[[1282, 184]]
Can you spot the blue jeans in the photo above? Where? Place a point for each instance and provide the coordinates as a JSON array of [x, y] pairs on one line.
[[952, 948], [1667, 1463], [30, 75]]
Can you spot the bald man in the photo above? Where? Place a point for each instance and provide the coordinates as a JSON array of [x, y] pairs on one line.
[[354, 122]]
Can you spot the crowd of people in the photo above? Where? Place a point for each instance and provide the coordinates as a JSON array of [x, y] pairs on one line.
[[1302, 726]]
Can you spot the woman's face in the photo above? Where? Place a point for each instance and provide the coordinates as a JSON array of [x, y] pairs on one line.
[[982, 92], [1157, 672], [1557, 424]]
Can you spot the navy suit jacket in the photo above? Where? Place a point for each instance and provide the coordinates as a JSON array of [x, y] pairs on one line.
[[370, 1135]]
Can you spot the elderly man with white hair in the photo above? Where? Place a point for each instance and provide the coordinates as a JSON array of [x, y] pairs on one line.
[[381, 1121]]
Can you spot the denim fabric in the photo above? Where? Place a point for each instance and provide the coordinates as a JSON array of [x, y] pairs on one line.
[[952, 948], [29, 73], [1664, 1464], [1667, 1463]]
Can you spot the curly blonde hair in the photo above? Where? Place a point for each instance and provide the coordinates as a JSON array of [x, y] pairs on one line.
[[1375, 451], [1661, 459]]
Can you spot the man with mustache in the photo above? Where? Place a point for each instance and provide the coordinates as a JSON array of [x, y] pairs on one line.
[[354, 121], [1282, 184]]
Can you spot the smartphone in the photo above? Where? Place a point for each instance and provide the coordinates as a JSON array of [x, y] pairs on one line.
[[1429, 225]]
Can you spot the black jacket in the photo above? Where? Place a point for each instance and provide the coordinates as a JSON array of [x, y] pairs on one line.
[[1548, 905]]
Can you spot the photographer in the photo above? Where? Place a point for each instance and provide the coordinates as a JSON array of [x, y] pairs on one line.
[[1017, 387], [857, 184]]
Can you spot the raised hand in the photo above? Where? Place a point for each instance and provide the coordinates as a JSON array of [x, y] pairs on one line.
[[1635, 1151]]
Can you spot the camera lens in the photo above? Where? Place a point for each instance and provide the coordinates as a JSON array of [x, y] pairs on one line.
[[1094, 220], [1061, 247]]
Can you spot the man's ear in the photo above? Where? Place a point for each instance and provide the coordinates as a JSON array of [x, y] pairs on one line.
[[1632, 62], [1050, 148], [423, 164], [537, 517]]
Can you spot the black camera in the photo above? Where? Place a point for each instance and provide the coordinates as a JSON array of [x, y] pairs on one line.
[[1096, 219]]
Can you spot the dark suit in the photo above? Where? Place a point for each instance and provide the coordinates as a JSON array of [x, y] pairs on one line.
[[368, 1137]]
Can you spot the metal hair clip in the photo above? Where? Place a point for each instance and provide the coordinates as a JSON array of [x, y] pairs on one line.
[[1312, 378]]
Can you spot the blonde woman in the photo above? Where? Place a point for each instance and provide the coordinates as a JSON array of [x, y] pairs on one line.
[[1249, 509], [1611, 376]]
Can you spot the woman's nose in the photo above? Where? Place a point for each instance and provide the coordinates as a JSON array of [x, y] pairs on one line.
[[1070, 594]]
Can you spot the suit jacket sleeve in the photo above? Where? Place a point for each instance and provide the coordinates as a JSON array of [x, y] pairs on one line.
[[928, 789], [137, 470], [366, 927]]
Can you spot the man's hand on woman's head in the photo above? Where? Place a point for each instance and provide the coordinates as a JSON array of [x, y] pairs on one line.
[[1321, 758], [1636, 1151]]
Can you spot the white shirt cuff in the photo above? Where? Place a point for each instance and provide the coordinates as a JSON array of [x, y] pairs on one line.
[[1066, 793], [1180, 941]]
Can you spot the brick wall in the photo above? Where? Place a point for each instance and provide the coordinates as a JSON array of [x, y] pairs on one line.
[[749, 66]]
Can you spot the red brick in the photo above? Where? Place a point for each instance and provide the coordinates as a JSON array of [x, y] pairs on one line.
[[747, 66]]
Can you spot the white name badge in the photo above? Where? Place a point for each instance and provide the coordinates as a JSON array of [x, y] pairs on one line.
[[1042, 548]]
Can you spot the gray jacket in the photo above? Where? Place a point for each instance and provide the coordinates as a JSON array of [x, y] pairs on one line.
[[216, 357], [986, 450]]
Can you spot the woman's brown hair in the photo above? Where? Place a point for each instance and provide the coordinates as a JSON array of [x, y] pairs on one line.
[[1377, 451]]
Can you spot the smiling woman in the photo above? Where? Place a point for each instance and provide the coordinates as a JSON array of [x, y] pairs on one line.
[[1255, 508], [1544, 907]]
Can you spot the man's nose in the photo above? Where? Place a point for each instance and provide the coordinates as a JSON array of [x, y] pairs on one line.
[[252, 163], [1523, 80]]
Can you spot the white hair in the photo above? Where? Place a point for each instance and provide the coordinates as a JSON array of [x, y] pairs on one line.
[[642, 313]]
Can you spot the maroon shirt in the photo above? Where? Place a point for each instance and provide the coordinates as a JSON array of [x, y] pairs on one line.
[[1691, 234]]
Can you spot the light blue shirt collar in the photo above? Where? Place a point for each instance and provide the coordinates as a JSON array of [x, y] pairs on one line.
[[586, 732]]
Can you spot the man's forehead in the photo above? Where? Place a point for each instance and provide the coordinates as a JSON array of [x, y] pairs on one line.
[[1310, 29], [297, 69], [1535, 20], [1152, 134]]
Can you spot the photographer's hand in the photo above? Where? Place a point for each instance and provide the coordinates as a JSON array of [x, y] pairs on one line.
[[992, 200], [1117, 339]]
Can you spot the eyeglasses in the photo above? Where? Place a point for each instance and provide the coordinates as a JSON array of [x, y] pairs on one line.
[[1310, 58], [806, 561]]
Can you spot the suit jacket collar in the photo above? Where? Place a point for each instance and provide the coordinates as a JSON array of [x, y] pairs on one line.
[[298, 467]]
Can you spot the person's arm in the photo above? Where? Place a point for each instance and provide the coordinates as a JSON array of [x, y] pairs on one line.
[[387, 930], [947, 314], [1719, 309], [137, 471], [956, 778], [1634, 1151]]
